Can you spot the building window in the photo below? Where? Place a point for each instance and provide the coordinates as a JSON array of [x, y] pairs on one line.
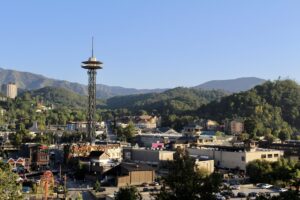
[[270, 156], [263, 156], [276, 155], [243, 158]]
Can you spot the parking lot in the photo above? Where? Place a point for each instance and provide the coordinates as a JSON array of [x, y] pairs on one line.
[[251, 188]]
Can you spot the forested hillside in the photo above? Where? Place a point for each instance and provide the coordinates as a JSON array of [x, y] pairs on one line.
[[60, 97], [270, 109], [174, 101]]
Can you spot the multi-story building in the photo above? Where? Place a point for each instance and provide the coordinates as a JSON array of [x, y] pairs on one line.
[[147, 122], [147, 156], [235, 157], [36, 155], [10, 90], [291, 148]]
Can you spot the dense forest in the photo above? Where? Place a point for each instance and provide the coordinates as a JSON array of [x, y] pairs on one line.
[[174, 101], [270, 109]]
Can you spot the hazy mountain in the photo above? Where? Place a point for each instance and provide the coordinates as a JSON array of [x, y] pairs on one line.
[[30, 81], [232, 85]]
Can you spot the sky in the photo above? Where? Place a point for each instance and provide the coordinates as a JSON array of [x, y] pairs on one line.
[[155, 43]]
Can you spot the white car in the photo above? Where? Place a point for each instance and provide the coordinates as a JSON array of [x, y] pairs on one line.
[[282, 190], [220, 197], [266, 186], [235, 187]]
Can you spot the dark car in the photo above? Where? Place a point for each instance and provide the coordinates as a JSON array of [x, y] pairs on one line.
[[241, 194], [228, 194], [252, 195]]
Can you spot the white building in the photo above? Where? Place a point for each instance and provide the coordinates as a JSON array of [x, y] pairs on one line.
[[235, 158], [10, 90]]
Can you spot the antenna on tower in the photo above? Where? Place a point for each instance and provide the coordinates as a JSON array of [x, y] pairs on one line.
[[92, 46]]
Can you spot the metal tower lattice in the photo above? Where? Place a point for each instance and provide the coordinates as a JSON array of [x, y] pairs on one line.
[[91, 65]]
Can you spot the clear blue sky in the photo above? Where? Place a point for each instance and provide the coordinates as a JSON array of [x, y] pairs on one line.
[[155, 43]]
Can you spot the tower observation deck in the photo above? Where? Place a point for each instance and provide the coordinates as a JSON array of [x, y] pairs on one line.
[[91, 65]]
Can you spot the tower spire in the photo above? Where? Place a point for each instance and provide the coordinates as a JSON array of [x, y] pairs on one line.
[[92, 46]]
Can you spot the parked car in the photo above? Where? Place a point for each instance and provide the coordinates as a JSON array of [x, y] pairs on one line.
[[241, 194], [282, 190], [25, 189], [264, 194], [60, 190], [235, 187], [252, 195], [228, 194], [145, 184], [154, 183], [266, 186], [220, 197]]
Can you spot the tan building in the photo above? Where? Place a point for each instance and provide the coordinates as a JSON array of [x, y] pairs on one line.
[[98, 159], [211, 125], [147, 122], [236, 127], [147, 156], [233, 157], [208, 165], [131, 174], [10, 90]]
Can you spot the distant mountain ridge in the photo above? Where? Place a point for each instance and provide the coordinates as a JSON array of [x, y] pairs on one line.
[[232, 85], [30, 81]]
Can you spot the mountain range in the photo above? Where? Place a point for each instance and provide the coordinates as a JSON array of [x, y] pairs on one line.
[[232, 85], [30, 81]]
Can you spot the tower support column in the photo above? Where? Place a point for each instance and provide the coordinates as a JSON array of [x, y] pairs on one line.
[[92, 105]]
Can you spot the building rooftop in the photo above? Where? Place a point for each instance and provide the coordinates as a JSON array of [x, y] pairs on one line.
[[96, 154], [136, 167]]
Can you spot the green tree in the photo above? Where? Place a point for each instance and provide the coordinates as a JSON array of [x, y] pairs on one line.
[[128, 193], [185, 181], [126, 133], [259, 171], [283, 136], [97, 186], [282, 172], [9, 188]]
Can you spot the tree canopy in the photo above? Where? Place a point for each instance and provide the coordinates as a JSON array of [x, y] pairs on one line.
[[185, 181], [9, 188], [128, 193]]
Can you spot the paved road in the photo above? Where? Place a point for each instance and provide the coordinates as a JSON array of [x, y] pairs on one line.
[[110, 135]]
